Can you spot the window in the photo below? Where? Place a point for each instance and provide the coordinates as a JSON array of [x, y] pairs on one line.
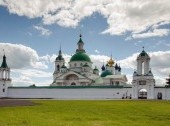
[[117, 82], [142, 82], [3, 90], [75, 64], [3, 84]]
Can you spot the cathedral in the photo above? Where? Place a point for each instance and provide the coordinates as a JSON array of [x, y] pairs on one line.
[[81, 73]]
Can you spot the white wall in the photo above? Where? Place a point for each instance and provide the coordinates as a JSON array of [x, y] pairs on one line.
[[81, 93], [165, 93]]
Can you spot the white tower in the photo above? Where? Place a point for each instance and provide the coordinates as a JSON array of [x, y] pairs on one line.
[[143, 81], [59, 62], [5, 80]]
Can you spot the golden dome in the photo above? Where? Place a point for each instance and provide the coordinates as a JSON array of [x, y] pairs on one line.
[[111, 62]]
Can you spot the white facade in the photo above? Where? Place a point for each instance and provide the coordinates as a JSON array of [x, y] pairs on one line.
[[81, 73]]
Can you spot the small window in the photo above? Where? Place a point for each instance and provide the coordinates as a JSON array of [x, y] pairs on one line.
[[3, 84], [75, 64], [3, 90]]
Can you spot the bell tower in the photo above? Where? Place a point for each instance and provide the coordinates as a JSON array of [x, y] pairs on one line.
[[5, 80], [58, 64], [143, 80]]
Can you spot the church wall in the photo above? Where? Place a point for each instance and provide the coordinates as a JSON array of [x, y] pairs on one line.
[[81, 93]]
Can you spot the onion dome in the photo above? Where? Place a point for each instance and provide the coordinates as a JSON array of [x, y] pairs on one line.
[[80, 56], [119, 68], [103, 68], [86, 65], [116, 67], [106, 73], [111, 62], [4, 63]]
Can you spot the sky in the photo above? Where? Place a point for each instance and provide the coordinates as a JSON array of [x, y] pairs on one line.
[[31, 32]]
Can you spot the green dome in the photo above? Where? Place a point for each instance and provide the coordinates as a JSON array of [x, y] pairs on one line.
[[105, 73], [80, 56], [143, 53]]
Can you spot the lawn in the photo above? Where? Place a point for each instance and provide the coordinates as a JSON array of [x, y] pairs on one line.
[[88, 113]]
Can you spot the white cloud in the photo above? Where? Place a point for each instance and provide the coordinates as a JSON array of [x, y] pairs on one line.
[[43, 30], [154, 33], [122, 16], [20, 56], [34, 73]]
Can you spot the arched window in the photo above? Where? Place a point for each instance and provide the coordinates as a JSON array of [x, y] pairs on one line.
[[58, 67], [75, 64]]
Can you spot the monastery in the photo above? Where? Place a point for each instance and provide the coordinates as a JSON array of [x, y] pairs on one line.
[[81, 81]]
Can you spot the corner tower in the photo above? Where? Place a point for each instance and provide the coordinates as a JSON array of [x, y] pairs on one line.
[[5, 80], [143, 80]]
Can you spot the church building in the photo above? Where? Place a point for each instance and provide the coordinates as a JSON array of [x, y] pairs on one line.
[[81, 73]]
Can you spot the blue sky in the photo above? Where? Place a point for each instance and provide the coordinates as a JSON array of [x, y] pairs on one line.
[[32, 31]]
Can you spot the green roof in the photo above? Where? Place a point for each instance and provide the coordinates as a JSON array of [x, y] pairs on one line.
[[143, 53], [80, 56], [105, 73], [4, 64]]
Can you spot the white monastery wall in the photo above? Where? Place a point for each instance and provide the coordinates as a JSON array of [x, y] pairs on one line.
[[165, 93], [81, 93]]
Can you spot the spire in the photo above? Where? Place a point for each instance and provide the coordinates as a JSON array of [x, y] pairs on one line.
[[60, 57], [80, 40], [80, 45], [4, 63]]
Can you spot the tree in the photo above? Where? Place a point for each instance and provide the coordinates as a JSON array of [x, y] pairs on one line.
[[168, 81]]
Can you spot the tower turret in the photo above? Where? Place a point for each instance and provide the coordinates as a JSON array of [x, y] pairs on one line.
[[5, 80]]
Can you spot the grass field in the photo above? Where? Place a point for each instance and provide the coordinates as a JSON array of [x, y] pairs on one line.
[[88, 113]]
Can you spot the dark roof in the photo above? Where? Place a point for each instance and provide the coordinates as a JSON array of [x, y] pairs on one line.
[[4, 63], [59, 57]]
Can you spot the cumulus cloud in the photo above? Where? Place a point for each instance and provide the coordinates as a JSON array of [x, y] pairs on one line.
[[43, 30], [134, 16], [20, 56]]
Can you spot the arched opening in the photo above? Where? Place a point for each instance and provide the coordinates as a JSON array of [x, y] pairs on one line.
[[71, 77], [73, 83], [58, 67], [143, 68], [159, 95], [142, 94]]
